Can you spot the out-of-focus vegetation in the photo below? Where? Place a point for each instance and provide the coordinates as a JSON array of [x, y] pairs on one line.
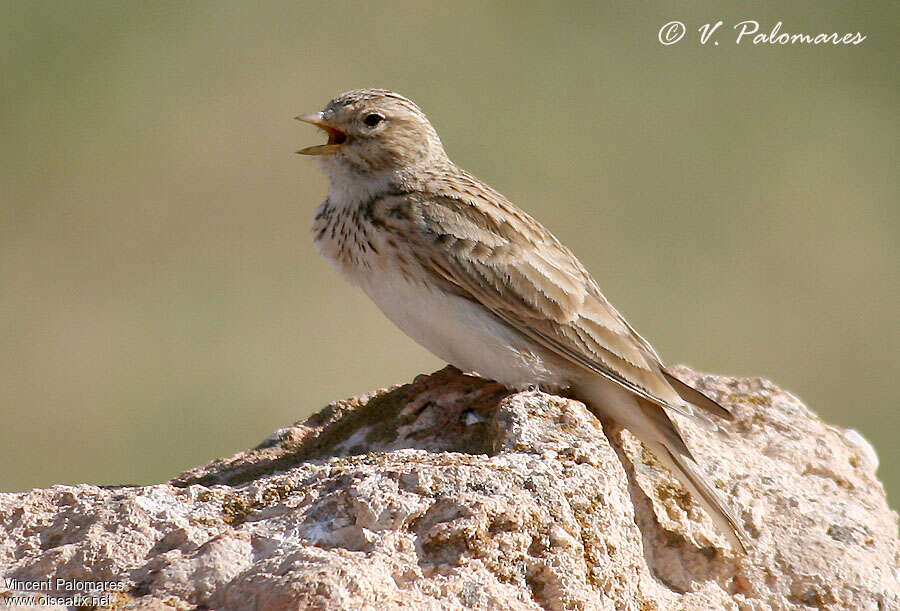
[[160, 300]]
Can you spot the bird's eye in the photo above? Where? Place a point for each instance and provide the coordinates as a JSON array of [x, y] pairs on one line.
[[373, 119]]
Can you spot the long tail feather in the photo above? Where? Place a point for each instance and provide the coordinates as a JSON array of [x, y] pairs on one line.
[[654, 428], [666, 442], [686, 470]]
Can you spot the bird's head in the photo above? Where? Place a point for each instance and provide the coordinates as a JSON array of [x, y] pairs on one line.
[[373, 130]]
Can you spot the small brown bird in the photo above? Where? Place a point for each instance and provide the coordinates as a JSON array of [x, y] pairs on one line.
[[484, 286]]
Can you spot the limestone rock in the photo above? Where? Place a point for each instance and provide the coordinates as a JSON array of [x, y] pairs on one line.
[[453, 493]]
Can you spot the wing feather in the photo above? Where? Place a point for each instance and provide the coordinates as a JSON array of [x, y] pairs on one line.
[[501, 258]]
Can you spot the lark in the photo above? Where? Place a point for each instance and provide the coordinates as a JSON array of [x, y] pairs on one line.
[[484, 286]]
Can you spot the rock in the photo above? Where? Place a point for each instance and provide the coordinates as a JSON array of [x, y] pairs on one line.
[[452, 492]]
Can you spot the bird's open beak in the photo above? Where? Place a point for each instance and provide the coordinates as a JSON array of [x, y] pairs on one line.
[[336, 137]]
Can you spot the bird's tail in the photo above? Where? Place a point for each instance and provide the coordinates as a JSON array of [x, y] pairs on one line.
[[685, 469], [650, 423]]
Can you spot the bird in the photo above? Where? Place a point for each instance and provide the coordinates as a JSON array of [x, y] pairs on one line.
[[482, 285]]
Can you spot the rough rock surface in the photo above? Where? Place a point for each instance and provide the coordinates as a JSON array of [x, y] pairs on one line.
[[450, 492]]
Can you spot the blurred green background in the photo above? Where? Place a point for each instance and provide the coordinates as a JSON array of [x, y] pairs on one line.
[[161, 303]]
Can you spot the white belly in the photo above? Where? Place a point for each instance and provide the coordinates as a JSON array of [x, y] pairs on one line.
[[462, 333]]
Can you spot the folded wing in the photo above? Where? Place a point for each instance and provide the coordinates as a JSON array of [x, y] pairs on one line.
[[498, 256]]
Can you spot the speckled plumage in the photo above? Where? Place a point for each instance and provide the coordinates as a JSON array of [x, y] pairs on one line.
[[483, 285]]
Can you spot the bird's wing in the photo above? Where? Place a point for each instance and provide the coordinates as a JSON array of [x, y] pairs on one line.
[[495, 254]]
